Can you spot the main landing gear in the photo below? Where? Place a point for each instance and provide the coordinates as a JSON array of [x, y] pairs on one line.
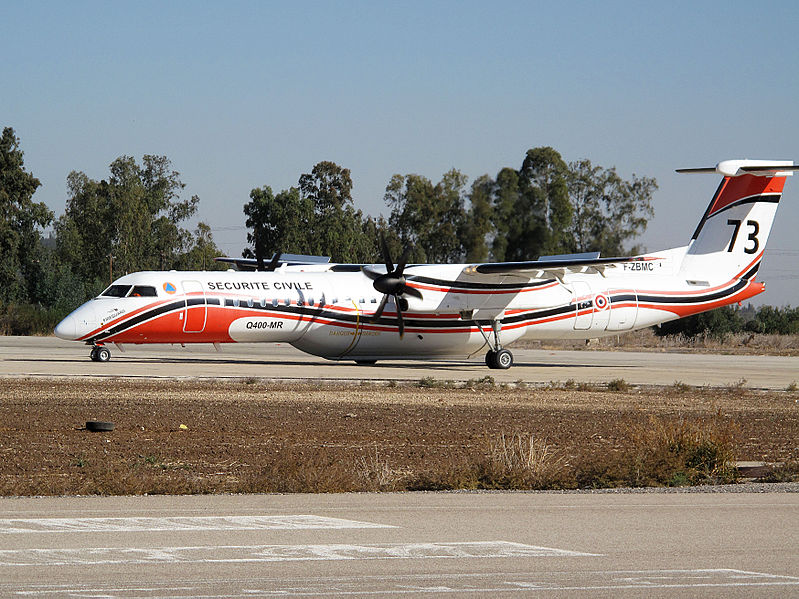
[[497, 358], [100, 353]]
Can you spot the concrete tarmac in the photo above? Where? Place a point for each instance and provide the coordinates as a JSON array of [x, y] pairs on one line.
[[49, 356], [417, 544]]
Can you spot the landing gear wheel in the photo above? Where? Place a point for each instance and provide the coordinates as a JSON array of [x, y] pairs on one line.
[[103, 354], [93, 354], [366, 362], [491, 357], [503, 359]]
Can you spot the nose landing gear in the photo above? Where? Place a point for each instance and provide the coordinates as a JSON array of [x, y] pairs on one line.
[[100, 353]]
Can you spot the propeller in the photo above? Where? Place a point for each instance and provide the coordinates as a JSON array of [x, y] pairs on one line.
[[393, 284]]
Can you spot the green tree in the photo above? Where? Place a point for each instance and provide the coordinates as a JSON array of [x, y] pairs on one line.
[[21, 221], [133, 219], [202, 251], [281, 222], [543, 212], [607, 210], [339, 230], [505, 200], [478, 223], [429, 219]]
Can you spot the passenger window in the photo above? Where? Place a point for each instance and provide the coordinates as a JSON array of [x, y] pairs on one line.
[[236, 303], [249, 303], [310, 301], [263, 302], [287, 302], [275, 302]]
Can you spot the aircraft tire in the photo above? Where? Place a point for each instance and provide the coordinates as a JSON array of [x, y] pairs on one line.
[[103, 354], [93, 354], [503, 359], [491, 359], [366, 362], [98, 426]]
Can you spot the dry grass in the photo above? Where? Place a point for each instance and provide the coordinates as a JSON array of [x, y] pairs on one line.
[[646, 340], [253, 437]]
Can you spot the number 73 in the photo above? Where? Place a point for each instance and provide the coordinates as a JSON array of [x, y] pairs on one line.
[[751, 237]]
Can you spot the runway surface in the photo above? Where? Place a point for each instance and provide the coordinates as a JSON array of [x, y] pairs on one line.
[[419, 544], [49, 356]]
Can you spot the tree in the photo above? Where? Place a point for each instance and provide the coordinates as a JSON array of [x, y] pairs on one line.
[[543, 211], [133, 219], [478, 220], [505, 199], [278, 223], [21, 221], [318, 217], [429, 219], [202, 251], [607, 210]]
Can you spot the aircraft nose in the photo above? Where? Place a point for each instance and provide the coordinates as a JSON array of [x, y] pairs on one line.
[[67, 329]]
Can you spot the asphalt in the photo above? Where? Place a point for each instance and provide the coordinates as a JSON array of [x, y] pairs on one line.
[[418, 544], [49, 356]]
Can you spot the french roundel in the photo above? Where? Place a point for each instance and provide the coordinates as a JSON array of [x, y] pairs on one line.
[[601, 301], [169, 288]]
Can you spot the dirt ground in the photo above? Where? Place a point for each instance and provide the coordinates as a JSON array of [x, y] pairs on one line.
[[205, 437]]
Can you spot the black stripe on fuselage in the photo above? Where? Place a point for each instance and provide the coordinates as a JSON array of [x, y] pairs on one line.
[[359, 319]]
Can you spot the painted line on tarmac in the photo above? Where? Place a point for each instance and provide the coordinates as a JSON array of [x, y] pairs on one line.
[[85, 556], [178, 523], [413, 584]]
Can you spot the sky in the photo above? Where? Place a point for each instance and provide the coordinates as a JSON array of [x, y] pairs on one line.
[[239, 95]]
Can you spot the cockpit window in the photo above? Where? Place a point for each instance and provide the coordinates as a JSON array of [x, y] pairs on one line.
[[143, 291], [116, 291]]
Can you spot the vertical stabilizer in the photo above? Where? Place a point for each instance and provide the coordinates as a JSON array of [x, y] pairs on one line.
[[729, 241]]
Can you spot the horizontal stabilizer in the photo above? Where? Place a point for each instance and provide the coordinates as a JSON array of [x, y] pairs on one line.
[[736, 168]]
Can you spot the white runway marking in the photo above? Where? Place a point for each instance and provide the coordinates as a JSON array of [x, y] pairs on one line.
[[515, 584], [274, 553], [193, 523]]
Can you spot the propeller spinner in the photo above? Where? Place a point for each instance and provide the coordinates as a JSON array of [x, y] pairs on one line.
[[393, 284]]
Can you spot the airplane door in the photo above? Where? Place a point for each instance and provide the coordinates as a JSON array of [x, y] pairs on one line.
[[583, 305], [623, 309], [195, 312]]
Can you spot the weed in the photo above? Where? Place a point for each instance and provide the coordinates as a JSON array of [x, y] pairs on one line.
[[250, 380], [486, 381], [787, 472], [792, 387], [586, 387], [680, 387], [618, 385], [429, 382], [520, 461], [738, 387]]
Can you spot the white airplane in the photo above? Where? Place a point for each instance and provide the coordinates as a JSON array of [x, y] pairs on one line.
[[375, 312]]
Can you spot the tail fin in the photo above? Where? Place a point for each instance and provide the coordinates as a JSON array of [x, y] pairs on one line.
[[729, 241]]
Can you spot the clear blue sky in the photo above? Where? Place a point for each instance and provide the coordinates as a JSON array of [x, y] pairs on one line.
[[244, 94]]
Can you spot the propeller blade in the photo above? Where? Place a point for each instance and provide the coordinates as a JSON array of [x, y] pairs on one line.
[[386, 254], [413, 291], [380, 308], [403, 261], [370, 273], [274, 262], [400, 321]]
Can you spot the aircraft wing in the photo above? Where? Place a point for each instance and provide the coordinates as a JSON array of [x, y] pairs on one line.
[[276, 261], [551, 266]]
